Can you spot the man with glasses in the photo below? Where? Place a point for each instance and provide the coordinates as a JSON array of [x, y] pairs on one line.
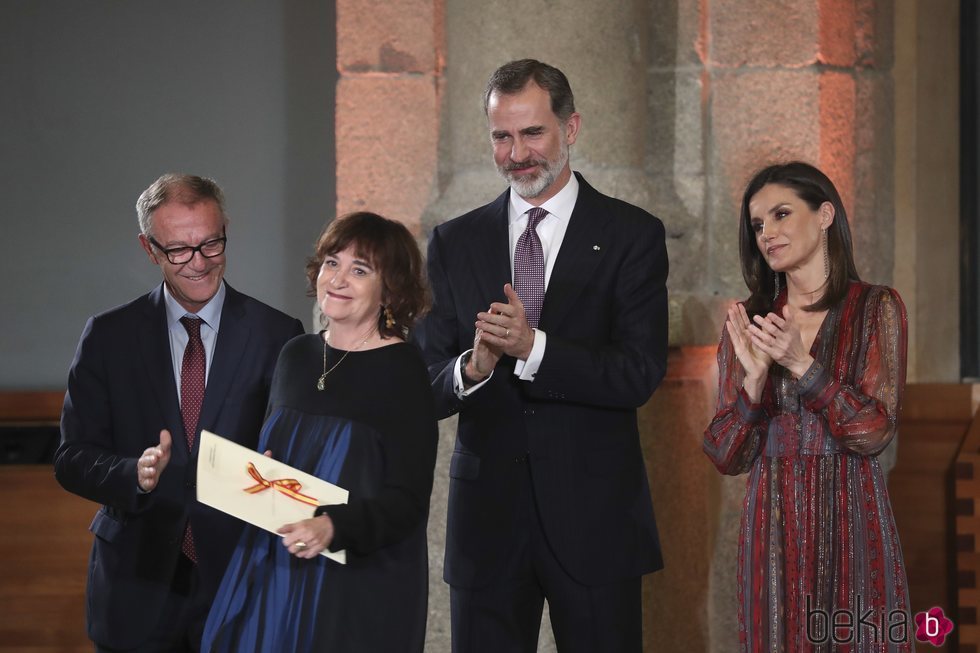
[[147, 377]]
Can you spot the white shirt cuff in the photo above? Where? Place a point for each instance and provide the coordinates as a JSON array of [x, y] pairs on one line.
[[525, 370], [461, 390]]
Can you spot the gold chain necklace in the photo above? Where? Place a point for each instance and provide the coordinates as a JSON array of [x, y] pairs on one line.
[[321, 382]]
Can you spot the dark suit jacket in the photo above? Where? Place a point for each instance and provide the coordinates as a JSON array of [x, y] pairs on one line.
[[605, 316], [121, 392]]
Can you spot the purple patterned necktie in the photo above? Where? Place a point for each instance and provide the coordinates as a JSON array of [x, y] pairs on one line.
[[192, 375], [529, 267]]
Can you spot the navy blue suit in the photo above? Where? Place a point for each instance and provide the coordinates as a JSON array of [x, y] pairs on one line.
[[574, 426], [121, 393]]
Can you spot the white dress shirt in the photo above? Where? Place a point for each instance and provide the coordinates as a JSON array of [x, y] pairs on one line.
[[210, 316], [551, 232]]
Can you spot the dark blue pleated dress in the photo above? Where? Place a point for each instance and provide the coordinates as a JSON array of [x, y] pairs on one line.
[[371, 431]]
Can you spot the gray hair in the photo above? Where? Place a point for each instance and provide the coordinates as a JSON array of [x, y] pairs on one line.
[[176, 187], [512, 77]]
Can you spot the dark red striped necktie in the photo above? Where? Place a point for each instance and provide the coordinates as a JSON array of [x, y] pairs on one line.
[[192, 376]]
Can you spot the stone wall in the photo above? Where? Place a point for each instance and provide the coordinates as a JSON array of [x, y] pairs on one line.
[[680, 102], [389, 56], [927, 144]]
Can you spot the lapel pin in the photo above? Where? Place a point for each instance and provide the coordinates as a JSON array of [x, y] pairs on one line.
[[596, 248]]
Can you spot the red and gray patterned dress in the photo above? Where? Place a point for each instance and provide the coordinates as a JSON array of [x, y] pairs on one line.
[[818, 543]]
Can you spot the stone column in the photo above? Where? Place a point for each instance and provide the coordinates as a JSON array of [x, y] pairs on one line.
[[927, 134], [389, 56], [602, 50], [807, 79]]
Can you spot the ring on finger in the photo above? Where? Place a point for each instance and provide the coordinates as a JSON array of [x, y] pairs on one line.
[[507, 335], [300, 545]]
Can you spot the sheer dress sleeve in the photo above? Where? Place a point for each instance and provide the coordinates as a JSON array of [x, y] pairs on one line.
[[863, 417], [737, 434]]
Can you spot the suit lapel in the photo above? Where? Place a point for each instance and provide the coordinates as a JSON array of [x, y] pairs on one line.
[[232, 343], [154, 342], [490, 251], [581, 250]]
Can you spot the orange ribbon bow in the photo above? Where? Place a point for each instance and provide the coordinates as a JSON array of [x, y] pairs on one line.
[[288, 486]]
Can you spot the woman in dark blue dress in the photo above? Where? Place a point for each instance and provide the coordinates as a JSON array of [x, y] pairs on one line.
[[351, 405]]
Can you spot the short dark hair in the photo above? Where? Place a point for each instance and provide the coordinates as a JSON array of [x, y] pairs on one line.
[[390, 248], [177, 187], [512, 77], [813, 187]]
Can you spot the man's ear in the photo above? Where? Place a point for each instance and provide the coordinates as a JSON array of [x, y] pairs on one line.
[[572, 125], [148, 248]]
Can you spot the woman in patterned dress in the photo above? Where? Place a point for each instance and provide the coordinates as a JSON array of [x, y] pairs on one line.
[[811, 374]]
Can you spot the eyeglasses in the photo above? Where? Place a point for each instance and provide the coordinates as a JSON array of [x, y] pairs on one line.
[[183, 254]]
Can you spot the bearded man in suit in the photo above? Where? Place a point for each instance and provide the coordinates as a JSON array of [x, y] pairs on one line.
[[548, 330]]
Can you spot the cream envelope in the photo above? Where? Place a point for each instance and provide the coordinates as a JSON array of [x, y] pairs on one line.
[[260, 490]]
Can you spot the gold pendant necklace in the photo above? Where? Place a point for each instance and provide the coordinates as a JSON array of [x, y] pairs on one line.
[[321, 382]]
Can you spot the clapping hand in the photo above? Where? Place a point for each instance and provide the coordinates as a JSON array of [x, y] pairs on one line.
[[152, 462], [779, 338], [755, 361], [505, 326], [484, 358]]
